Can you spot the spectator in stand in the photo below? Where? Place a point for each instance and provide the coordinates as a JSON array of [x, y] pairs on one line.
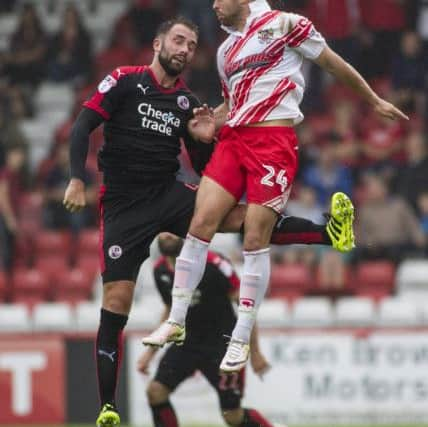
[[344, 133], [327, 175], [412, 179], [55, 216], [408, 73], [24, 63], [70, 52], [10, 192], [332, 271], [305, 205], [381, 144], [423, 209], [337, 20], [201, 12], [203, 70], [10, 134], [139, 22], [387, 228], [7, 6], [385, 20]]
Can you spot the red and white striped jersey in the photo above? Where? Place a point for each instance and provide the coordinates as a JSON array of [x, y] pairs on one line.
[[261, 68]]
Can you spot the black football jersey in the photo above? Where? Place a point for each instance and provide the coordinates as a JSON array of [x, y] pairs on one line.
[[211, 315], [143, 125]]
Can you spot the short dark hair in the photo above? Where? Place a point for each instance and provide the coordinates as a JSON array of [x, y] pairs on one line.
[[166, 26]]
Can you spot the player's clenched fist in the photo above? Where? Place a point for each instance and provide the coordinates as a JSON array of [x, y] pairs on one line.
[[74, 198]]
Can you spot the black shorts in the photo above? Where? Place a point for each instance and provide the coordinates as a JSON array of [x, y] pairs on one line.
[[129, 223], [180, 363]]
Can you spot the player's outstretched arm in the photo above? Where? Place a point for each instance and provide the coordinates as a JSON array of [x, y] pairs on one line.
[[343, 71], [202, 126], [258, 362], [86, 122], [144, 360]]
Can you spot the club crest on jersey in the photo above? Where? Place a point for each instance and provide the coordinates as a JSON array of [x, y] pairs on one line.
[[265, 36], [183, 102], [115, 252], [107, 84]]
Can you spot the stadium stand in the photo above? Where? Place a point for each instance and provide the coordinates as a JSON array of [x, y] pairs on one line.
[[312, 312], [58, 266], [355, 311]]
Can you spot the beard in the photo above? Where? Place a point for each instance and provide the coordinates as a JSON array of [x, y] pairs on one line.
[[171, 68], [170, 248]]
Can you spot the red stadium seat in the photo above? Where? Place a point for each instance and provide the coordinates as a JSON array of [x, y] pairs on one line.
[[52, 267], [289, 281], [4, 291], [30, 213], [374, 279], [88, 242], [88, 262], [53, 243], [321, 285], [23, 256], [74, 286], [30, 286]]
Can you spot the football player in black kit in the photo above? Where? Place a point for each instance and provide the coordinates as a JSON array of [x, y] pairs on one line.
[[211, 316], [146, 110]]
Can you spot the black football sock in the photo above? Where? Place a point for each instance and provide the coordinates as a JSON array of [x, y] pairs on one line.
[[108, 348], [292, 229], [164, 415], [252, 418]]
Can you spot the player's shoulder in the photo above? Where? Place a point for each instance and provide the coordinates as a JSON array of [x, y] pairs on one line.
[[289, 21], [127, 70]]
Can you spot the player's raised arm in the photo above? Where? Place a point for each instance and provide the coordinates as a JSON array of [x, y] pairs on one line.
[[86, 122], [220, 114], [346, 73], [202, 126]]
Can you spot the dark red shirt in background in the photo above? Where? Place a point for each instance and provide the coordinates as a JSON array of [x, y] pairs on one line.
[[383, 14], [13, 181]]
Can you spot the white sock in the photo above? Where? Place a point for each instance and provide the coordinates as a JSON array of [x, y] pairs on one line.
[[189, 269], [254, 283]]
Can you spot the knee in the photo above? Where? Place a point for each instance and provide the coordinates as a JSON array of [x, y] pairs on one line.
[[157, 393], [254, 241], [204, 225], [118, 299], [233, 417]]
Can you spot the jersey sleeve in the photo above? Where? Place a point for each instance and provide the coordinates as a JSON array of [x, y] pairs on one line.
[[163, 290], [303, 37], [108, 94], [223, 81]]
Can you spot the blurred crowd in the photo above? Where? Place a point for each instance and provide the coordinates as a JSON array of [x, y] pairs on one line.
[[382, 165]]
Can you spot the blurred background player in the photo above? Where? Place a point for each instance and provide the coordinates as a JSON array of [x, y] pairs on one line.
[[259, 66], [211, 316]]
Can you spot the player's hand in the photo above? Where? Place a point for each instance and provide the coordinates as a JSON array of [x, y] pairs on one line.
[[144, 361], [202, 126], [389, 111], [259, 364], [74, 198]]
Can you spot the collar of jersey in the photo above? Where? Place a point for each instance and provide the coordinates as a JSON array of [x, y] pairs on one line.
[[257, 8]]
